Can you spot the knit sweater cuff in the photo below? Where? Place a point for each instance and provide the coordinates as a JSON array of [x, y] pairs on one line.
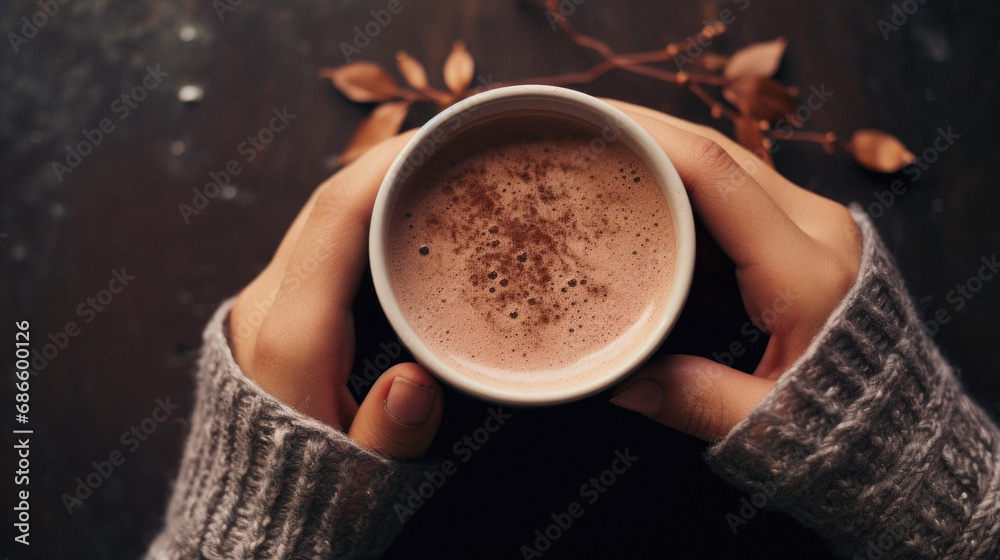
[[259, 479], [869, 439]]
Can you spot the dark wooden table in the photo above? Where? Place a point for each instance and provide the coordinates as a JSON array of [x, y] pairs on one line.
[[102, 244]]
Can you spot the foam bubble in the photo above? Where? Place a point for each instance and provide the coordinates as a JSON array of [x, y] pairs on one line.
[[533, 243]]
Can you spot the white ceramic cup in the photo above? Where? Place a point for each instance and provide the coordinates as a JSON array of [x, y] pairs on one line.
[[551, 100]]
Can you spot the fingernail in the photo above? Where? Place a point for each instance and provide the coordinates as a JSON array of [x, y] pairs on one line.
[[408, 402], [644, 396]]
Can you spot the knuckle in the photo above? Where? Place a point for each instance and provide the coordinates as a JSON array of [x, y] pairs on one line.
[[712, 168], [841, 278], [695, 419], [844, 252], [852, 237], [331, 198], [268, 349], [704, 409], [337, 203], [713, 158], [703, 421]]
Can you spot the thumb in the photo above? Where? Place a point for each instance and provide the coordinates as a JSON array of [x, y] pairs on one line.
[[694, 395], [401, 413]]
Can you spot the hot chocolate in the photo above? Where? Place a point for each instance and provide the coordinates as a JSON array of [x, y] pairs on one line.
[[530, 251]]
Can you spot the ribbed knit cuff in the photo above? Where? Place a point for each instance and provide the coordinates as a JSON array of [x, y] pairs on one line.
[[260, 480], [869, 439]]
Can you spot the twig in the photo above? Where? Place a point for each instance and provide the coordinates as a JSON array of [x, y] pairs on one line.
[[718, 109], [637, 63]]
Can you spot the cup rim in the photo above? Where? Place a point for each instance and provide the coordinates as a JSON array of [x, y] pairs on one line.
[[639, 141]]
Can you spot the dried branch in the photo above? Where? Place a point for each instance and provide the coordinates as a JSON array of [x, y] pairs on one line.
[[756, 100]]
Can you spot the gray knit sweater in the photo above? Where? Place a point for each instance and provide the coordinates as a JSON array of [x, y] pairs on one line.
[[260, 480], [868, 439]]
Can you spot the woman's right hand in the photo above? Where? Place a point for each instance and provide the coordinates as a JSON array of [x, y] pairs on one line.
[[796, 255]]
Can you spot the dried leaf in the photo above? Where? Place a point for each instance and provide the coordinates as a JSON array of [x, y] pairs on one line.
[[384, 122], [412, 70], [364, 82], [759, 60], [458, 68], [879, 151], [749, 135], [761, 98]]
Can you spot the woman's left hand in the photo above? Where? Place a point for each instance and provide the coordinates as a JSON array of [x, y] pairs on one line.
[[292, 330]]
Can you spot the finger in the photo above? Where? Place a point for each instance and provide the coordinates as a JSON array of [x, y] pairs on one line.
[[789, 196], [812, 213], [817, 253], [694, 395], [303, 344], [327, 256], [780, 188], [401, 414], [356, 176], [359, 183], [741, 215]]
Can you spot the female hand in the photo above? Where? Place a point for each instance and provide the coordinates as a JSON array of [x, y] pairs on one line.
[[796, 254], [292, 331]]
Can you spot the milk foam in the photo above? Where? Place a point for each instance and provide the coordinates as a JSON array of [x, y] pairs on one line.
[[529, 253]]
